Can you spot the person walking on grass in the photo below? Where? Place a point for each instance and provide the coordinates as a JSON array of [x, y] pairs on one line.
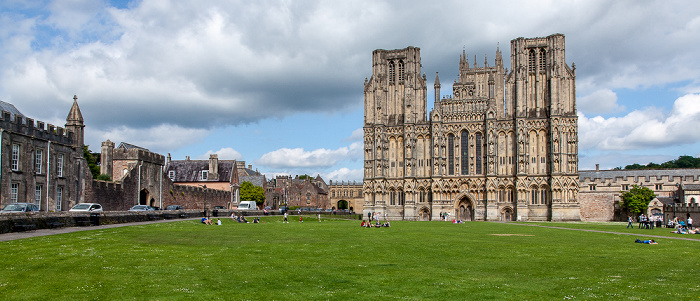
[[629, 222], [285, 218]]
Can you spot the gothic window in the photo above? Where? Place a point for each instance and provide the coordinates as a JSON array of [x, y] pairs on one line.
[[543, 60], [401, 71], [392, 72], [477, 141], [531, 61], [451, 154], [533, 194], [401, 198], [543, 200], [464, 152], [392, 198]]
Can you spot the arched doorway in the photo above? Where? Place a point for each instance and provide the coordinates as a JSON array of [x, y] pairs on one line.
[[143, 197], [507, 214], [465, 210], [424, 214], [342, 204]]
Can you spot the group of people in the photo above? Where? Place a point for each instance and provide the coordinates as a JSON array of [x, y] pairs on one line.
[[444, 216], [684, 227], [369, 224], [645, 222], [209, 221]]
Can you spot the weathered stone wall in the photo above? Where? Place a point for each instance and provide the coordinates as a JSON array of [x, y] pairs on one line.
[[597, 206]]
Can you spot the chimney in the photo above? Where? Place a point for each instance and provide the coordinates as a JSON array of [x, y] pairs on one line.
[[250, 166], [214, 166], [597, 167]]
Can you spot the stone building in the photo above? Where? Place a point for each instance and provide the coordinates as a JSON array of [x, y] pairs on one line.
[[346, 195], [502, 147], [41, 163], [297, 192], [224, 175], [599, 191]]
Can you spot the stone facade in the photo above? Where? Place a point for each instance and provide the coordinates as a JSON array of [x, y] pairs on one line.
[[41, 163], [346, 195], [296, 192], [502, 147], [599, 191]]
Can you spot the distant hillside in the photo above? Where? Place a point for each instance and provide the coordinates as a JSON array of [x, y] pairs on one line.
[[681, 162]]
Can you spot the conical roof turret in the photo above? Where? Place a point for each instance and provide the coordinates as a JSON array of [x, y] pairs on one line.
[[74, 116]]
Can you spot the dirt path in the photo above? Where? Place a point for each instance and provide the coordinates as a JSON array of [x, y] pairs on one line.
[[681, 236]]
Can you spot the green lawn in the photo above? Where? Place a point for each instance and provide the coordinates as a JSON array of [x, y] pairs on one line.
[[338, 260]]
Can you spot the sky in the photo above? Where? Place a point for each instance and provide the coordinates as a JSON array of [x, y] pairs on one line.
[[279, 84]]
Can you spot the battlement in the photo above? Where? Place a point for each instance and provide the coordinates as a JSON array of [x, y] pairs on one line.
[[38, 130], [639, 176], [138, 154], [344, 183]]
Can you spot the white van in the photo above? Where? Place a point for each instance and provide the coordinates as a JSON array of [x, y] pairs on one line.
[[247, 205]]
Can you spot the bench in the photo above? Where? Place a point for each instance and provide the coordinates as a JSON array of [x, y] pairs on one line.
[[21, 225]]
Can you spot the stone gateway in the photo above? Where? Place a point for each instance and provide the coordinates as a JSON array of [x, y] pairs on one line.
[[503, 147]]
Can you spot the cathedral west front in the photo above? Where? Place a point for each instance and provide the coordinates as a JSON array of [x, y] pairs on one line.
[[502, 147]]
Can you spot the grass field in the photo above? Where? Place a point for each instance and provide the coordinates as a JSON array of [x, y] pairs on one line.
[[338, 260]]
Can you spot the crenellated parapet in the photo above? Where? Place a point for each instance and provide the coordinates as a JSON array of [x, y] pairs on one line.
[[138, 154], [35, 129]]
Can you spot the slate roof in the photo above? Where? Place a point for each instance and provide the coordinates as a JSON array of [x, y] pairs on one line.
[[691, 186], [131, 146], [6, 106], [190, 170]]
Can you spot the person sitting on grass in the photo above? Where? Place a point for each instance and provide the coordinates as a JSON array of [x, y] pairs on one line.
[[206, 221], [363, 224], [256, 220], [218, 222]]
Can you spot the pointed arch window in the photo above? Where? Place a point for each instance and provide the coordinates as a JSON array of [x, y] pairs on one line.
[[543, 60], [392, 71], [464, 145], [477, 155], [401, 71], [531, 61], [450, 154]]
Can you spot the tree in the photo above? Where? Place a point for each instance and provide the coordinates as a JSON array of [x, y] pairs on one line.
[[250, 192], [637, 199], [91, 161]]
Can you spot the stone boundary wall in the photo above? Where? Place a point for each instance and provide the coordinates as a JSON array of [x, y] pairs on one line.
[[48, 220], [682, 211]]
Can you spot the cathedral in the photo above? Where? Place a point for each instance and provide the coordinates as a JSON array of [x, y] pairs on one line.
[[503, 147]]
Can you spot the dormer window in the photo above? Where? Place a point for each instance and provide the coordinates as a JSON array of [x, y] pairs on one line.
[[205, 175], [171, 175]]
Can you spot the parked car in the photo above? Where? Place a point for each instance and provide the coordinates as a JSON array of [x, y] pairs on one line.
[[173, 207], [142, 208], [86, 207], [19, 207], [219, 207]]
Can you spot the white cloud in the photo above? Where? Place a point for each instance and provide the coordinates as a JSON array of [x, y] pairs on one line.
[[648, 128], [159, 139], [357, 135], [602, 101], [225, 153], [318, 158], [344, 174]]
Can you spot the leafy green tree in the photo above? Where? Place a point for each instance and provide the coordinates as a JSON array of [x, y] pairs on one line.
[[92, 162], [250, 192], [637, 199]]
